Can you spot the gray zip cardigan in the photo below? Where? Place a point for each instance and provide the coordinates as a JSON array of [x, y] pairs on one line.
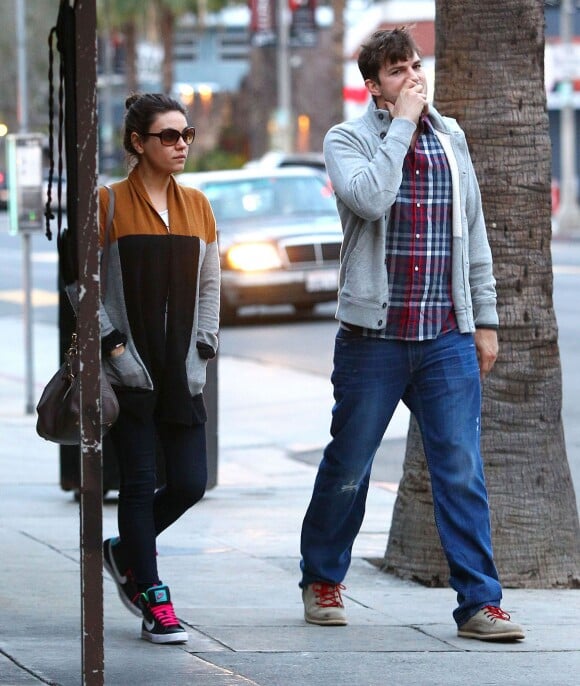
[[364, 159]]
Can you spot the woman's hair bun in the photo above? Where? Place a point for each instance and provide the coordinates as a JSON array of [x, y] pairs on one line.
[[131, 100]]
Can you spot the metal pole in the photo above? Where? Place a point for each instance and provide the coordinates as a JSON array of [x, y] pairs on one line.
[[210, 396], [107, 97], [569, 213], [27, 315], [285, 119], [22, 112], [22, 65], [88, 329]]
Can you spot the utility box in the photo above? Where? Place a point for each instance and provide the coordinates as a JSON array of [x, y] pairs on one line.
[[25, 184]]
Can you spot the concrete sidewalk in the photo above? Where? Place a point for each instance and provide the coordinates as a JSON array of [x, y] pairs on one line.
[[232, 565]]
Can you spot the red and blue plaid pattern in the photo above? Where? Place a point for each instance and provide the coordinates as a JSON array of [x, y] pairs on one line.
[[418, 249]]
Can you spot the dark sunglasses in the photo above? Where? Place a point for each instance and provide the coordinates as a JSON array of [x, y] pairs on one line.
[[171, 136]]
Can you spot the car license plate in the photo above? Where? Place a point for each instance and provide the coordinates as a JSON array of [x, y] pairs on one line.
[[322, 280]]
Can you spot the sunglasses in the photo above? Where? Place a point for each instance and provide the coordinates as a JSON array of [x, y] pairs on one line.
[[171, 136]]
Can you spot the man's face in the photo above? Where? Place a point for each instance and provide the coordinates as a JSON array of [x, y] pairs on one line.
[[393, 77]]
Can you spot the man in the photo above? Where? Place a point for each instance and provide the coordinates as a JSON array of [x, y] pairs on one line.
[[418, 322]]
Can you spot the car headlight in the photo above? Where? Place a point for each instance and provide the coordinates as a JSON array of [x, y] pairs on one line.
[[251, 257]]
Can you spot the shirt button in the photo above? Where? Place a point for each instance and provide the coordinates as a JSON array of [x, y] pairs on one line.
[[418, 204], [383, 134], [416, 269], [384, 306], [381, 117], [417, 235], [380, 322], [417, 172]]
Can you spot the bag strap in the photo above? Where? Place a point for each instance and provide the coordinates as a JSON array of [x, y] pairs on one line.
[[107, 242]]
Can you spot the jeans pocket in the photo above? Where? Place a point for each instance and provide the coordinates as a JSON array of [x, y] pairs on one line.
[[349, 334]]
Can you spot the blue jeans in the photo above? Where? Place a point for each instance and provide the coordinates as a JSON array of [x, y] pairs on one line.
[[439, 382]]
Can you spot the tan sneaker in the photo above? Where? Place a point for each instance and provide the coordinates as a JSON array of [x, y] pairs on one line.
[[323, 604], [491, 624]]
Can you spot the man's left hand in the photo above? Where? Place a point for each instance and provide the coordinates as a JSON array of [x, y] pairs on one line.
[[487, 348]]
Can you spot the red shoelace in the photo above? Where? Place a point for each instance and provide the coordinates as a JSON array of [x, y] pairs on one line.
[[496, 613], [131, 585], [328, 595], [164, 614]]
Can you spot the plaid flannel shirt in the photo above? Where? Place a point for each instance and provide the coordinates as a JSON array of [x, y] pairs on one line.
[[418, 249]]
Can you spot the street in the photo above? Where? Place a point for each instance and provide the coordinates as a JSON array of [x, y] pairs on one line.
[[279, 338]]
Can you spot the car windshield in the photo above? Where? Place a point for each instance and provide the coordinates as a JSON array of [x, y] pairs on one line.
[[241, 199]]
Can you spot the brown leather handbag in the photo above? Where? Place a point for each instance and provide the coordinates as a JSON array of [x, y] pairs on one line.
[[59, 407]]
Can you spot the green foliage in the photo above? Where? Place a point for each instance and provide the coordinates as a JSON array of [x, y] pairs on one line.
[[233, 140], [230, 153], [41, 16], [114, 13], [217, 159]]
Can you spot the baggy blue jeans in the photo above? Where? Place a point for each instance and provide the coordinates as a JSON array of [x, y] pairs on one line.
[[439, 382]]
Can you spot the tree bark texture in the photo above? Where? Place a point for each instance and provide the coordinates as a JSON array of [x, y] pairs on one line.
[[490, 77]]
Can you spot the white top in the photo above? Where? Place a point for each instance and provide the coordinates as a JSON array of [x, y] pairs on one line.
[[164, 214]]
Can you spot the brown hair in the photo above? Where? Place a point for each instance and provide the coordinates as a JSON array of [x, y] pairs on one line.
[[142, 110], [385, 47]]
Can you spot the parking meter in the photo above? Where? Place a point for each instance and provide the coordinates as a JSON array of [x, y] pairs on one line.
[[25, 188], [24, 163]]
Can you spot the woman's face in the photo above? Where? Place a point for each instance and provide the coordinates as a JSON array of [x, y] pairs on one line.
[[160, 158]]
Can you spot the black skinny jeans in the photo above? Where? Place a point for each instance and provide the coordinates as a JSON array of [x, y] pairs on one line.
[[145, 511]]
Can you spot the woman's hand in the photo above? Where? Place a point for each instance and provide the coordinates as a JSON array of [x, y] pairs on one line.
[[119, 350]]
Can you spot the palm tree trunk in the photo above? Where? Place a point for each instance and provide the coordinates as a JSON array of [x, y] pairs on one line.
[[167, 26], [490, 76], [129, 30], [336, 101]]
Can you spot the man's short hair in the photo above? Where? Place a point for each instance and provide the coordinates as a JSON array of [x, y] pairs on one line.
[[385, 47]]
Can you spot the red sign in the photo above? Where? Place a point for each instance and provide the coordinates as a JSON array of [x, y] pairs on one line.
[[263, 21], [303, 30]]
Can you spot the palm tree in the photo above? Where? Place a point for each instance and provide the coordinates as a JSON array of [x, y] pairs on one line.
[[125, 17], [490, 76], [336, 102], [168, 12], [122, 16]]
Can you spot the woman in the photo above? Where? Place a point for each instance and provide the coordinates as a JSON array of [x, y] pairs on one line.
[[159, 325]]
